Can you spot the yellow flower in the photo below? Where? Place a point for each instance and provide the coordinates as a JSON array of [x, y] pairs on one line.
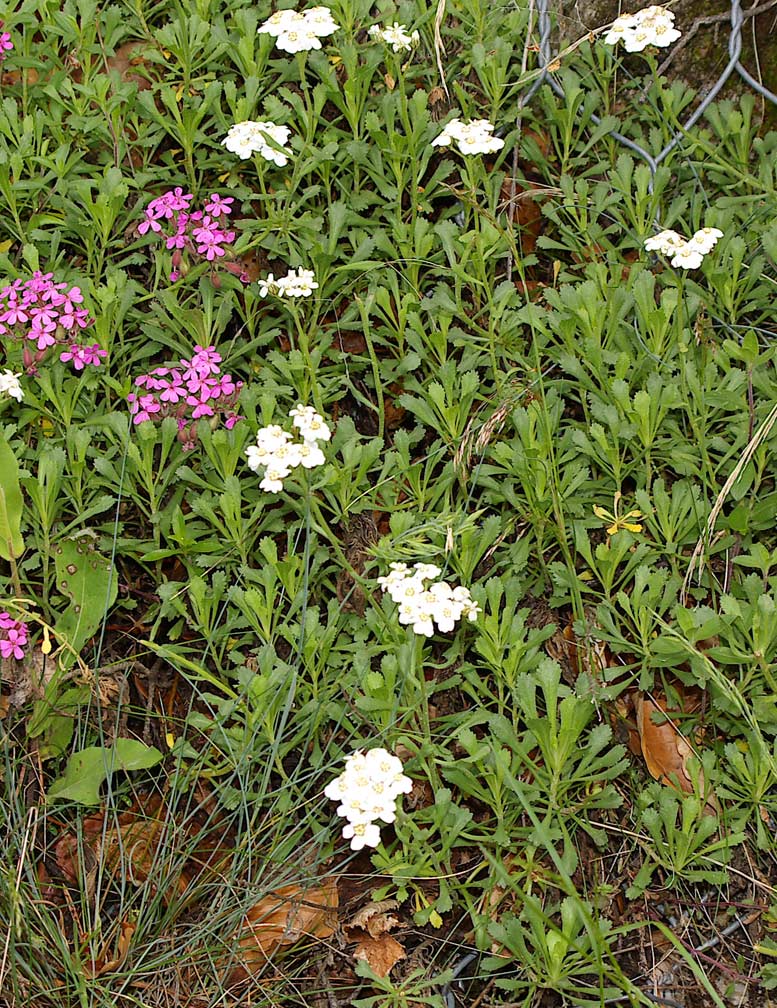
[[617, 522]]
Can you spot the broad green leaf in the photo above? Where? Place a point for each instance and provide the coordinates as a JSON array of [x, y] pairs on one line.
[[90, 582], [11, 503], [86, 771]]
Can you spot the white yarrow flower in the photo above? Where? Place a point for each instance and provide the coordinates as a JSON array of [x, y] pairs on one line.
[[684, 253], [319, 20], [361, 834], [650, 26], [279, 454], [396, 36], [310, 455], [422, 607], [666, 242], [279, 22], [426, 571], [264, 138], [621, 27], [297, 283], [10, 385], [298, 40], [687, 257], [299, 31], [268, 286], [705, 239], [311, 425], [367, 790], [272, 481], [473, 137]]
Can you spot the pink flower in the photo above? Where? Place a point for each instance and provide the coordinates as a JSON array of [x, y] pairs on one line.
[[40, 282], [209, 240], [226, 386], [217, 206], [189, 230], [14, 314], [44, 318], [13, 637], [81, 356], [172, 394], [201, 406], [74, 354], [176, 241], [147, 406], [43, 312], [43, 339], [197, 390], [148, 224], [178, 199], [93, 354], [206, 360]]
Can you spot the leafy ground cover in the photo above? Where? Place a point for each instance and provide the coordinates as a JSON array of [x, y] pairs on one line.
[[570, 704]]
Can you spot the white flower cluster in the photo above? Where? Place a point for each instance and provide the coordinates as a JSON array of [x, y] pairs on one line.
[[473, 137], [424, 606], [297, 283], [396, 35], [10, 385], [299, 31], [265, 138], [686, 253], [367, 791], [650, 26], [279, 454]]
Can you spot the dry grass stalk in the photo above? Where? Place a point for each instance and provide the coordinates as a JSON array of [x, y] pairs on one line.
[[760, 435], [439, 48], [479, 440]]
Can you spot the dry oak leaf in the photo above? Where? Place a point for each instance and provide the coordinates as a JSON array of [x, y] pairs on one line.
[[380, 954], [666, 751], [370, 930], [283, 917]]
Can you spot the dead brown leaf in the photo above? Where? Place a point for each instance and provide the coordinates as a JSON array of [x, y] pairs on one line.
[[666, 750], [349, 343], [369, 929], [375, 918], [10, 78], [359, 536], [137, 845], [128, 60], [283, 917], [103, 965], [381, 953], [522, 199], [27, 679]]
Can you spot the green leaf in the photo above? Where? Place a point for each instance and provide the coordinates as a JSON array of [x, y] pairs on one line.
[[11, 542], [87, 770], [91, 583]]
